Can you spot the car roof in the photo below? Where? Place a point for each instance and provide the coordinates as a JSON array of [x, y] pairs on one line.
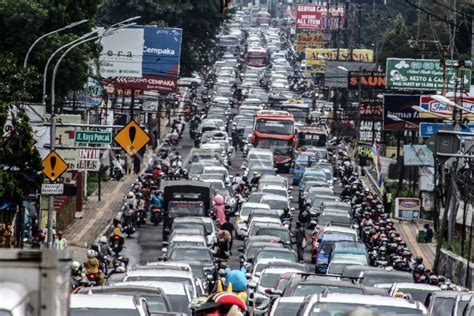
[[416, 286], [346, 261], [291, 299], [274, 197], [102, 301], [274, 187], [377, 300], [154, 272], [12, 294], [280, 270], [256, 205], [339, 229], [165, 265], [123, 287], [169, 288]]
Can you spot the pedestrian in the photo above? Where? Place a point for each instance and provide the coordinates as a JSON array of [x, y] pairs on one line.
[[300, 236], [136, 165], [230, 228], [429, 233], [305, 216], [219, 209], [60, 243]]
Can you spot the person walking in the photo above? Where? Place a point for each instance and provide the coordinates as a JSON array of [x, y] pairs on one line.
[[300, 236], [429, 233], [60, 243], [219, 209]]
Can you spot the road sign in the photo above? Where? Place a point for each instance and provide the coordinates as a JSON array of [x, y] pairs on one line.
[[430, 129], [89, 159], [407, 208], [93, 137], [52, 188], [132, 138], [54, 166]]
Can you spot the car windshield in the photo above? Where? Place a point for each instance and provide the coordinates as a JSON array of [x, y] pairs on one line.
[[282, 233], [328, 219], [189, 225], [191, 254], [179, 303], [189, 208], [195, 168], [355, 257], [260, 157], [417, 294], [246, 211], [285, 309], [271, 254], [305, 160], [443, 306], [274, 191], [218, 185], [333, 309], [278, 146], [275, 204], [336, 268], [84, 311], [269, 279], [309, 289], [242, 123], [340, 236], [372, 279]]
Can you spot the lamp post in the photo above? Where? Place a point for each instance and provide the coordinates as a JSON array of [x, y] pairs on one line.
[[71, 45], [74, 24]]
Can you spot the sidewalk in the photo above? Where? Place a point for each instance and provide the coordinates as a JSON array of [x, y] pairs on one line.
[[408, 232], [97, 216]]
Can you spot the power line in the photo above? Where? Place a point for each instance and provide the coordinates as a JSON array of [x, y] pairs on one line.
[[431, 14]]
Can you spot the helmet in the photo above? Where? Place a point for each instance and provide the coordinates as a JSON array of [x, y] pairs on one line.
[[130, 195], [116, 231], [103, 239], [286, 210], [91, 253], [75, 265], [219, 199], [419, 260]]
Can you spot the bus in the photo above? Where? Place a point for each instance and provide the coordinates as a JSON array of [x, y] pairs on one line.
[[256, 57], [275, 130], [263, 18], [300, 109], [229, 43]]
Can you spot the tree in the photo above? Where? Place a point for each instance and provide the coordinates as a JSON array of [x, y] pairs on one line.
[[23, 21], [20, 162], [396, 40], [199, 19]]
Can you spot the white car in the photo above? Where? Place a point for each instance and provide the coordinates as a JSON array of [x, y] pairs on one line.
[[276, 202], [218, 170], [178, 294], [162, 273], [286, 306], [276, 190], [244, 214], [105, 304], [340, 304]]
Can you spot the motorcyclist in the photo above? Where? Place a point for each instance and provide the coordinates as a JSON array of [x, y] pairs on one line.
[[223, 244], [255, 180], [104, 247], [118, 167], [305, 216], [285, 217], [157, 200], [92, 266]]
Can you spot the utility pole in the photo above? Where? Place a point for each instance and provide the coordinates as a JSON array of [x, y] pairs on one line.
[[443, 64]]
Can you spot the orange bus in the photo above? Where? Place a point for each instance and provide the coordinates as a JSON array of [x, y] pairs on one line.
[[275, 130], [256, 57]]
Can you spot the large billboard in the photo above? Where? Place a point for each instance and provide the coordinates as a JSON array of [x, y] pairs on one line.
[[336, 72], [434, 109], [315, 17], [425, 74], [141, 50], [401, 106], [371, 121], [366, 80], [161, 84], [317, 57]]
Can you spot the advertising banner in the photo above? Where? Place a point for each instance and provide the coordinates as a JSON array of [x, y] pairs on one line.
[[312, 17], [335, 72], [141, 50], [317, 57], [368, 80], [122, 52], [425, 74], [407, 208], [434, 109], [417, 155], [430, 129], [162, 84], [161, 51], [91, 95], [371, 121], [313, 40], [401, 107]]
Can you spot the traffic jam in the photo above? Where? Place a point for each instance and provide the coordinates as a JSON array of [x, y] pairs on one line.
[[251, 206]]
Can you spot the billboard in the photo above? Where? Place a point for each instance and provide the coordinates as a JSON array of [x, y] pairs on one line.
[[335, 77], [434, 109], [368, 80], [161, 84], [313, 40], [90, 95], [430, 129], [141, 50], [317, 57], [401, 107], [371, 121], [313, 17], [425, 74]]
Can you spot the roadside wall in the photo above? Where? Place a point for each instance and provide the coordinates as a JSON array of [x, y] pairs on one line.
[[455, 268]]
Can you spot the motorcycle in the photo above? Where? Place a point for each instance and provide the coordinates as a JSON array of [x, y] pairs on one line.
[[129, 229], [141, 217], [156, 216], [119, 264], [116, 245], [117, 174], [93, 279]]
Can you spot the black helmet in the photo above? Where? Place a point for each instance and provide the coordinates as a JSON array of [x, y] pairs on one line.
[[286, 210], [419, 260]]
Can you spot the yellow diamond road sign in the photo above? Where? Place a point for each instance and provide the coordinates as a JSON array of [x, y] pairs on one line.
[[54, 166], [132, 138]]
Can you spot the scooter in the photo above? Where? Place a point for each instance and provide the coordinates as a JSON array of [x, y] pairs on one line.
[[116, 245]]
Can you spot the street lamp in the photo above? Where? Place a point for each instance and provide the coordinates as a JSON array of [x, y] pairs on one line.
[[74, 24], [443, 100], [397, 119], [71, 45]]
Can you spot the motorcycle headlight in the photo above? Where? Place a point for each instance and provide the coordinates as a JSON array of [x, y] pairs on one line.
[[232, 201]]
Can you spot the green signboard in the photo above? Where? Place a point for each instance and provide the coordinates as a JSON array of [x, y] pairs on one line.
[[93, 137], [425, 74]]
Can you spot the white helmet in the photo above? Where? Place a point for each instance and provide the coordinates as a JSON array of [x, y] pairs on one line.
[[103, 239], [91, 253], [75, 265], [131, 195]]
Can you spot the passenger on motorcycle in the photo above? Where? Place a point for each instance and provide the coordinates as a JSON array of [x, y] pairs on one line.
[[157, 200], [92, 266]]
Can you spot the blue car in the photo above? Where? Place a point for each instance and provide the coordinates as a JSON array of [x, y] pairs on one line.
[[302, 161], [312, 174], [325, 248]]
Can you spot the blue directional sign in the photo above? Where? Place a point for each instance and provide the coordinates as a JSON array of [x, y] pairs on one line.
[[430, 129]]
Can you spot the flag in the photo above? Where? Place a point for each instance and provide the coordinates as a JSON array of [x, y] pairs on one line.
[[375, 155]]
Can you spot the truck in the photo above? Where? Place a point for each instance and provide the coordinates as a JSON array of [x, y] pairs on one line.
[[34, 282]]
